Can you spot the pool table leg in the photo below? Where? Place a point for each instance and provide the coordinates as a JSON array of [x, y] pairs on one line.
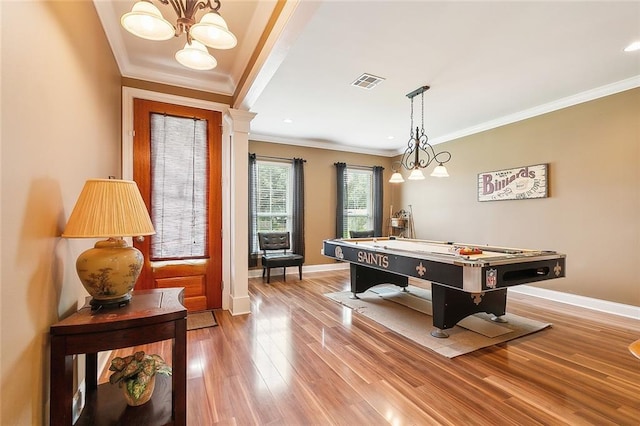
[[451, 305]]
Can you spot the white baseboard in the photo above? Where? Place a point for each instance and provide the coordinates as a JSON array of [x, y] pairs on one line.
[[239, 305], [79, 397], [254, 273], [606, 306]]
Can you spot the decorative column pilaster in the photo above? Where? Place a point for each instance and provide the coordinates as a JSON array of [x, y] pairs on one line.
[[236, 136]]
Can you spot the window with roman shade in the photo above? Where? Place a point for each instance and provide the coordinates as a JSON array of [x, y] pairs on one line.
[[179, 197]]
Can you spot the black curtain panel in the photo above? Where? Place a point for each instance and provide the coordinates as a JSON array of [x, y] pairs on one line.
[[253, 225], [297, 244], [378, 193], [341, 170]]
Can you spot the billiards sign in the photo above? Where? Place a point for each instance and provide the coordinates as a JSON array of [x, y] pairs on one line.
[[513, 184]]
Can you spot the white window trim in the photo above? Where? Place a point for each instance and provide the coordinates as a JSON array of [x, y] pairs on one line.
[[289, 212], [362, 170]]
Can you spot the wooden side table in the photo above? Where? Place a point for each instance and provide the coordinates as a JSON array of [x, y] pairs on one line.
[[151, 316]]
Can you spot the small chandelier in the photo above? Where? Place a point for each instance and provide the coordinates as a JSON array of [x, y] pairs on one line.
[[419, 142], [146, 21], [396, 177]]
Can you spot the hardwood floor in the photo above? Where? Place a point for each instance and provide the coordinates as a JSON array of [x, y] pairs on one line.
[[302, 359]]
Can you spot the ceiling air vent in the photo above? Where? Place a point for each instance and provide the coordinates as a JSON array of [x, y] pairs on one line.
[[367, 81]]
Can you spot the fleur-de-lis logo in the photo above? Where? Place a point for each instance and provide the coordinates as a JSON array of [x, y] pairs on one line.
[[557, 269], [421, 269], [477, 297]]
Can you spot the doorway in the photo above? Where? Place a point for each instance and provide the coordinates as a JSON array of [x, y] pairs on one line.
[[177, 163]]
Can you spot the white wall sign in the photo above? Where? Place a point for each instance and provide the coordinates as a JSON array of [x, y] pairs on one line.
[[513, 184]]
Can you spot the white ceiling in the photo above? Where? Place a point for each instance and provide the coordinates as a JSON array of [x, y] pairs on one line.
[[488, 63]]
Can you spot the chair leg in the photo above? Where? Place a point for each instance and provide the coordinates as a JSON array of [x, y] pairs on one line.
[[263, 271], [284, 273], [268, 275], [300, 271]]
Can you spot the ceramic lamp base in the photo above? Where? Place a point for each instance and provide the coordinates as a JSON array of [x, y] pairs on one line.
[[109, 271]]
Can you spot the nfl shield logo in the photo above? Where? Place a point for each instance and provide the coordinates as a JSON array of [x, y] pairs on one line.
[[492, 278]]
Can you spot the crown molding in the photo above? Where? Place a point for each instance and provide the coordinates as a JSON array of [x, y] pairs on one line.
[[309, 143], [586, 96]]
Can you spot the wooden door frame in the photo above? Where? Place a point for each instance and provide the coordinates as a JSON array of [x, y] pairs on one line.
[[128, 94], [203, 282]]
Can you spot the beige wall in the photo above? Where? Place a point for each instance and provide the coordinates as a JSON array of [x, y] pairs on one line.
[[60, 125], [60, 112], [592, 214], [320, 189]]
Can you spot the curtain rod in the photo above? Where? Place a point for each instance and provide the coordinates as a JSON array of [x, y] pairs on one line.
[[356, 166], [277, 158]]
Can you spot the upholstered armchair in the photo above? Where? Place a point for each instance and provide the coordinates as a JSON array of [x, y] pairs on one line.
[[275, 254]]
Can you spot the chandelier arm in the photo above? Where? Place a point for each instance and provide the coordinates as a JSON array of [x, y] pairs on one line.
[[431, 152], [178, 8], [406, 157], [188, 8], [438, 157], [210, 6], [194, 5], [423, 145], [182, 23], [186, 11]]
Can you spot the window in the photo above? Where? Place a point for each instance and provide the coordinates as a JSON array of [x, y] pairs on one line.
[[179, 195], [276, 201], [358, 200], [273, 197]]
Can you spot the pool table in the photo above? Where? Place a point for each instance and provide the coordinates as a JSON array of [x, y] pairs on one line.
[[465, 278]]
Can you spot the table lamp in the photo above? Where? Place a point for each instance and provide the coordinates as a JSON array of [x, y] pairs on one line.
[[112, 209]]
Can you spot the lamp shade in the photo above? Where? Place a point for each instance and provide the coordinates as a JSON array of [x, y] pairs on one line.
[[212, 31], [396, 177], [109, 208], [146, 21], [416, 174], [440, 171], [196, 56]]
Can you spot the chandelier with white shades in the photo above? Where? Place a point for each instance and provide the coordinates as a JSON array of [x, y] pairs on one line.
[[146, 21], [419, 146]]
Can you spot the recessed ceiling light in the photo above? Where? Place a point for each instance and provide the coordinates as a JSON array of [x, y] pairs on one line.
[[633, 47], [390, 137], [287, 120]]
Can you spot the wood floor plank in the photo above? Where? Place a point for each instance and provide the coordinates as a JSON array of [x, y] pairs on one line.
[[302, 359]]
